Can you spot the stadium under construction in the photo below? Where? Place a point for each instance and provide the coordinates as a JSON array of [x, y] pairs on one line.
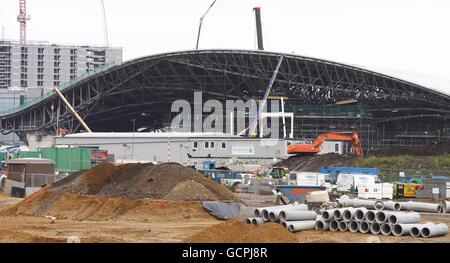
[[324, 96]]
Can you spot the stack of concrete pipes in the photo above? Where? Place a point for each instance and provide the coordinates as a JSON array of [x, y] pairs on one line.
[[293, 217], [376, 222], [395, 206]]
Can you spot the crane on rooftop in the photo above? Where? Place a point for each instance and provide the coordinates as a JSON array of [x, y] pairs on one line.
[[201, 22]]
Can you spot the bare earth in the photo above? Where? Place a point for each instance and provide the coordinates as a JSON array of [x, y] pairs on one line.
[[40, 229]]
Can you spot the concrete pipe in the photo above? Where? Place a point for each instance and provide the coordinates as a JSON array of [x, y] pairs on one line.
[[346, 202], [434, 230], [274, 213], [334, 225], [386, 229], [295, 226], [422, 207], [343, 226], [327, 215], [364, 227], [348, 214], [259, 210], [360, 213], [353, 226], [257, 221], [370, 216], [337, 214], [248, 220], [294, 215], [404, 218], [369, 204], [322, 225], [379, 205], [375, 228], [402, 229], [284, 224]]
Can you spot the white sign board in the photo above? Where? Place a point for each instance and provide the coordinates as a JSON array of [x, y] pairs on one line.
[[243, 150], [435, 191]]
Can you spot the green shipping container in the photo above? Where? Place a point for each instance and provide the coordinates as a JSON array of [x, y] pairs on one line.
[[2, 156], [68, 159], [28, 154]]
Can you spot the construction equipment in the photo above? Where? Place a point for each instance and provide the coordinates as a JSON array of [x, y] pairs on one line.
[[201, 23], [316, 146], [22, 19], [105, 25]]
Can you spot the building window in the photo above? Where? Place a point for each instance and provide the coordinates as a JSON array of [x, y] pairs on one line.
[[336, 147], [57, 51], [55, 83], [56, 64], [23, 69], [24, 50], [23, 63], [224, 145], [212, 145], [40, 63], [23, 83], [40, 70], [57, 58], [24, 56], [40, 76], [40, 50], [72, 77], [73, 64], [73, 52], [56, 70], [195, 145], [40, 83], [56, 77], [40, 57], [23, 76], [206, 145]]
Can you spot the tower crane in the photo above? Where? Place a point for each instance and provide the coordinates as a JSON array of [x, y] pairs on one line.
[[105, 25], [201, 22], [22, 19]]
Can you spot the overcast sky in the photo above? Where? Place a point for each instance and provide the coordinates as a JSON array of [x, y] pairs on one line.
[[406, 38]]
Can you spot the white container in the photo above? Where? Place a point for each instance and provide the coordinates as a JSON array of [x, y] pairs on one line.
[[346, 181], [376, 191]]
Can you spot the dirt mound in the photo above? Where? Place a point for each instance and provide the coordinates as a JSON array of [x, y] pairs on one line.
[[234, 231], [168, 181], [94, 208], [437, 148], [313, 163]]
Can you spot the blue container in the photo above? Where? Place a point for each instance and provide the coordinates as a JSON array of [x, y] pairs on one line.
[[298, 193], [208, 165]]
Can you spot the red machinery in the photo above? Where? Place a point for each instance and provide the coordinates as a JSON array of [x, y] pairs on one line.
[[315, 147]]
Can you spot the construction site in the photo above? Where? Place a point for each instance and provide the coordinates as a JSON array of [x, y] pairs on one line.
[[216, 146]]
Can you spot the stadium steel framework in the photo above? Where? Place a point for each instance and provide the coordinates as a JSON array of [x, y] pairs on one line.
[[323, 95]]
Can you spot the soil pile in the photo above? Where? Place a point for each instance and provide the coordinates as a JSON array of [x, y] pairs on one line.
[[314, 162], [438, 148], [168, 181], [94, 208], [234, 231]]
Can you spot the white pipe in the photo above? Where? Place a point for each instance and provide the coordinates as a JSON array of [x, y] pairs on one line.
[[375, 228], [363, 227], [248, 220], [404, 218], [267, 210], [353, 226], [421, 207], [402, 229], [322, 225], [257, 221], [348, 214], [294, 226], [283, 223], [347, 202], [363, 203], [294, 215], [343, 226], [360, 213], [334, 225], [337, 214], [370, 216], [386, 229], [258, 211], [434, 230]]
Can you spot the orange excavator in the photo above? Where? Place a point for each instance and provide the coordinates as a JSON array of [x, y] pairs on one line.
[[315, 147]]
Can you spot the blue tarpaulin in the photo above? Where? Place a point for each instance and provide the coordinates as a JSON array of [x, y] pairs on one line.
[[223, 210]]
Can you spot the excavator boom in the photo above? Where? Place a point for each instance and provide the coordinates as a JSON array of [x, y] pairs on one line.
[[315, 147]]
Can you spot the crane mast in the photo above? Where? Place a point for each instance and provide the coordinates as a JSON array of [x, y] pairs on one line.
[[201, 23], [22, 19]]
